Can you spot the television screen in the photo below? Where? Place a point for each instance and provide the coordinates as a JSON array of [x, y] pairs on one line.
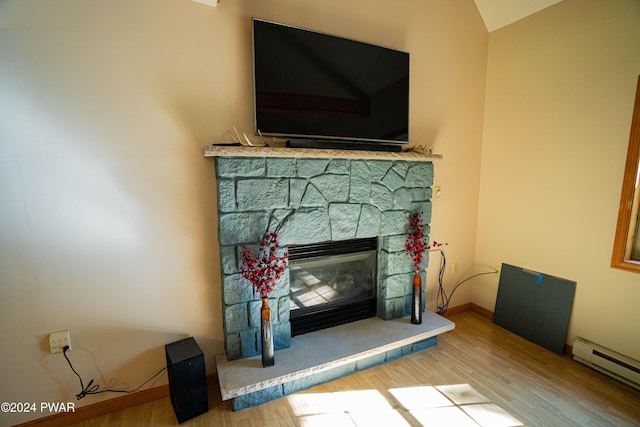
[[313, 85]]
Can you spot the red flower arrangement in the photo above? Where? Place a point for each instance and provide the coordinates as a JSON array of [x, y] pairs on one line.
[[417, 242], [436, 245], [265, 268]]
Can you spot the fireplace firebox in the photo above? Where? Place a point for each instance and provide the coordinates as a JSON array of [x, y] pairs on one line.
[[332, 283]]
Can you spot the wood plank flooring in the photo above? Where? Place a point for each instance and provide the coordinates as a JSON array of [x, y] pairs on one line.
[[479, 374]]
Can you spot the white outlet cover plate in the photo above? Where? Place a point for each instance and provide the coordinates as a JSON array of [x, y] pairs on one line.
[[57, 340]]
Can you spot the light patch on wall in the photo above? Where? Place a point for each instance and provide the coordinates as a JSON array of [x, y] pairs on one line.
[[213, 3], [72, 199], [500, 13], [95, 207]]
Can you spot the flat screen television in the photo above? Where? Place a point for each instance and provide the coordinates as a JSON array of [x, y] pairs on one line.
[[316, 89]]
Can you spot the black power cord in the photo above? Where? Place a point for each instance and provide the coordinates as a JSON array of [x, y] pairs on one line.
[[93, 389], [442, 300]]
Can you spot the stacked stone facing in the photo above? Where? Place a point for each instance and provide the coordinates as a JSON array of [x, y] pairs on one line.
[[310, 200]]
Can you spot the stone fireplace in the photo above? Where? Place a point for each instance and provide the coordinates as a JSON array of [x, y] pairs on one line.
[[307, 201]]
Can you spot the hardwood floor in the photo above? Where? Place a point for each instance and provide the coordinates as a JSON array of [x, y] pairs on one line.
[[478, 371]]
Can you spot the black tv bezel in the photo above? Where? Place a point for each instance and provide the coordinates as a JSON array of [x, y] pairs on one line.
[[319, 141]]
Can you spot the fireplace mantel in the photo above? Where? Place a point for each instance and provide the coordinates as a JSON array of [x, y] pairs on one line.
[[243, 151]]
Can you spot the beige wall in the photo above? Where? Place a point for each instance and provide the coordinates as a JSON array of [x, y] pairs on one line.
[[560, 92], [107, 213]]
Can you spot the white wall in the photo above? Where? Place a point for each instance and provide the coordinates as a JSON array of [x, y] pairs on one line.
[[560, 92], [108, 212]]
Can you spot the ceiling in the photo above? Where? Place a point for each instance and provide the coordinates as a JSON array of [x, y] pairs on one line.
[[499, 13], [495, 13]]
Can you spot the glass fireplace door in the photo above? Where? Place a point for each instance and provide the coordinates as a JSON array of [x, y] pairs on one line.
[[332, 283]]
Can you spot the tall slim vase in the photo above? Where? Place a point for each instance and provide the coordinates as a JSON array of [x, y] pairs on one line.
[[416, 299], [267, 334]]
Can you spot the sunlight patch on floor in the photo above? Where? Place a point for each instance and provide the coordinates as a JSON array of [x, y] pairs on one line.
[[446, 405], [420, 397], [446, 416], [362, 400], [489, 414]]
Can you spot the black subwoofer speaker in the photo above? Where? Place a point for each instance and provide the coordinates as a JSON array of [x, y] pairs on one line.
[[187, 379]]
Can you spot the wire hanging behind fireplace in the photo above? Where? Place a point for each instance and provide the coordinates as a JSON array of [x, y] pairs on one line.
[[332, 283]]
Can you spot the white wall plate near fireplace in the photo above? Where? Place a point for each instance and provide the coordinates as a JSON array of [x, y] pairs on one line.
[[58, 340]]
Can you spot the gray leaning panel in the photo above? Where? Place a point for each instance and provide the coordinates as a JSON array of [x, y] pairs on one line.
[[535, 306]]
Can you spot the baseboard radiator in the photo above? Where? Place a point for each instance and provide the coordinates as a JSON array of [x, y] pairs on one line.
[[607, 361]]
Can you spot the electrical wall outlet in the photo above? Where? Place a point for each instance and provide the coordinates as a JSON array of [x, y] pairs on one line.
[[436, 191], [58, 340], [454, 266]]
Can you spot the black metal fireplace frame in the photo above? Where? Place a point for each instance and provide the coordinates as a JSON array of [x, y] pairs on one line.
[[329, 315]]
